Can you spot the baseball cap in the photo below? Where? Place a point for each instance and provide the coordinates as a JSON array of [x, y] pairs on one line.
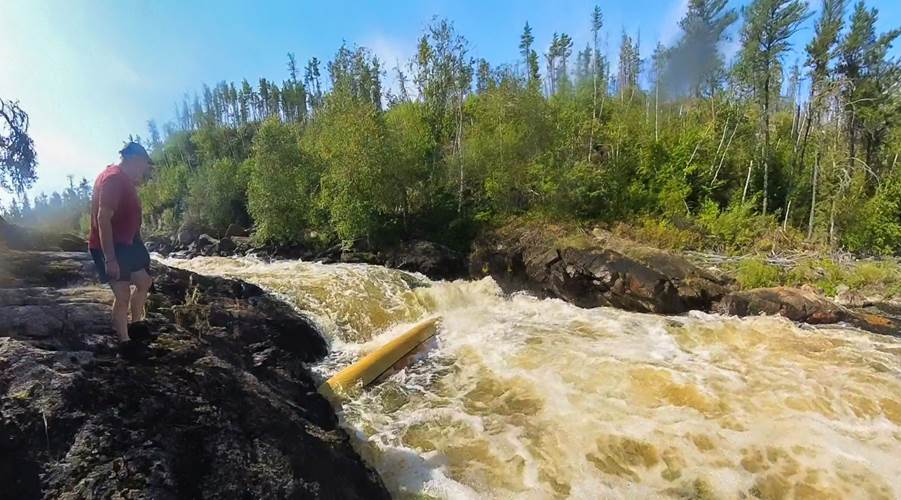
[[134, 149]]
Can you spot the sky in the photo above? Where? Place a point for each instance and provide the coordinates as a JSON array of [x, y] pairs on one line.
[[91, 72]]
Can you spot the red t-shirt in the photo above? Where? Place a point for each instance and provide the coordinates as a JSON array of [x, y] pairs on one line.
[[114, 189]]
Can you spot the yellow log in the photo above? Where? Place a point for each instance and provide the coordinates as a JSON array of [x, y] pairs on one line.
[[374, 364]]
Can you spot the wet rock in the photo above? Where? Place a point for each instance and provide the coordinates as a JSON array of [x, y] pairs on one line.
[[185, 236], [219, 405], [807, 307], [226, 247], [792, 303], [235, 230], [356, 257], [431, 259], [592, 271], [159, 244]]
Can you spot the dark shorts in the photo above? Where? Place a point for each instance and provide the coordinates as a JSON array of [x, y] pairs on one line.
[[131, 258]]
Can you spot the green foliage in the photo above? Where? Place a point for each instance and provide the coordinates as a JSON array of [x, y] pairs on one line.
[[876, 227], [280, 184], [685, 163], [217, 194], [756, 273], [661, 233], [348, 138], [735, 228], [165, 193]]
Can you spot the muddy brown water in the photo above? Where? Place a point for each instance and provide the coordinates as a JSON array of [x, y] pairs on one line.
[[529, 398]]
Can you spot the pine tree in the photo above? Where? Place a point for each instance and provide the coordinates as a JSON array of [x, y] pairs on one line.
[[695, 64], [769, 24], [529, 57], [870, 106]]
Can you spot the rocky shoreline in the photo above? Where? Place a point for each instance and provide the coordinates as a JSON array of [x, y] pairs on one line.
[[219, 405], [599, 269], [588, 270]]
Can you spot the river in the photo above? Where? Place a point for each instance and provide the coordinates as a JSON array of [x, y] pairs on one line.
[[528, 398]]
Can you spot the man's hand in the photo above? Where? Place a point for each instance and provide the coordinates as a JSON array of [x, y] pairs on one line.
[[112, 270]]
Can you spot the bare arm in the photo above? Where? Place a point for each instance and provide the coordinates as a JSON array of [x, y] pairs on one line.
[[105, 227]]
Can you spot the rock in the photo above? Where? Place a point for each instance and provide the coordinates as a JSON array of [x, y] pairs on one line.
[[185, 236], [350, 256], [205, 240], [220, 405], [242, 245], [226, 247], [235, 230], [594, 270], [431, 259], [158, 244], [792, 303], [23, 238]]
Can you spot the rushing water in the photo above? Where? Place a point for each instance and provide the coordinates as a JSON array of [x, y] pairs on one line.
[[529, 398]]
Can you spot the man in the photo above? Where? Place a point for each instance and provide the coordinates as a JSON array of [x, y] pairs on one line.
[[115, 239]]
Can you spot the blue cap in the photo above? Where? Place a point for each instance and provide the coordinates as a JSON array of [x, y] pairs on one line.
[[133, 149]]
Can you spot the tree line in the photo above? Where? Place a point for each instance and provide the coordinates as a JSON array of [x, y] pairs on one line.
[[684, 146]]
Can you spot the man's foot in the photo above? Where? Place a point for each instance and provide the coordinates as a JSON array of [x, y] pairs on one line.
[[139, 331], [131, 350]]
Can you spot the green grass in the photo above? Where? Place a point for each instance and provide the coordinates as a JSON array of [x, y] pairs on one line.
[[756, 273]]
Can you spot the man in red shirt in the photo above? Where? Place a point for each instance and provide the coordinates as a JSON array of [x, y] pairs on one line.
[[115, 239]]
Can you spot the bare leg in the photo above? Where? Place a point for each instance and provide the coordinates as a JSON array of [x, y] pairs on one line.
[[142, 281], [121, 292]]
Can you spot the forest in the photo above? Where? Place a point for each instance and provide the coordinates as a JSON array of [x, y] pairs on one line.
[[674, 145]]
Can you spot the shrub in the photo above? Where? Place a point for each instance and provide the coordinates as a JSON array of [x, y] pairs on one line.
[[876, 227], [735, 228], [217, 194], [661, 233], [756, 273], [278, 192]]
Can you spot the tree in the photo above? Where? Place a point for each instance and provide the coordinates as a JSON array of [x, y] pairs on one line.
[[281, 184], [529, 56], [17, 156], [154, 133], [695, 64], [597, 21], [870, 105], [629, 62], [769, 24]]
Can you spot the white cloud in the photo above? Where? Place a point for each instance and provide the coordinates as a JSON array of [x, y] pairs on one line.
[[392, 53]]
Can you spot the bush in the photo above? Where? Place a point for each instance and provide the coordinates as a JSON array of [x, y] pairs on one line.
[[756, 273], [825, 274], [661, 233], [876, 227], [217, 194], [735, 228], [279, 188], [164, 193]]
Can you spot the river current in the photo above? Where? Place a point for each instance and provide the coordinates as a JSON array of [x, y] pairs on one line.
[[520, 397]]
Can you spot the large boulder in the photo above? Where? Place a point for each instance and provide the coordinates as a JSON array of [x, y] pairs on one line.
[[220, 404], [592, 270], [226, 247], [793, 303], [431, 259], [185, 236], [806, 306]]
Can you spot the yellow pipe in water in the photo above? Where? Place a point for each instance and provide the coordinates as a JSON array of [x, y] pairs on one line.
[[374, 364]]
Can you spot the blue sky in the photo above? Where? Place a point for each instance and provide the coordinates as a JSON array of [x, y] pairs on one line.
[[91, 72]]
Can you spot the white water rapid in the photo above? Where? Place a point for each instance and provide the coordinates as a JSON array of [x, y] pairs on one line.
[[529, 398]]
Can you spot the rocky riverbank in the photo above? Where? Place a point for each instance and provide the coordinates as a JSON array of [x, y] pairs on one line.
[[218, 405], [591, 269], [429, 258]]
